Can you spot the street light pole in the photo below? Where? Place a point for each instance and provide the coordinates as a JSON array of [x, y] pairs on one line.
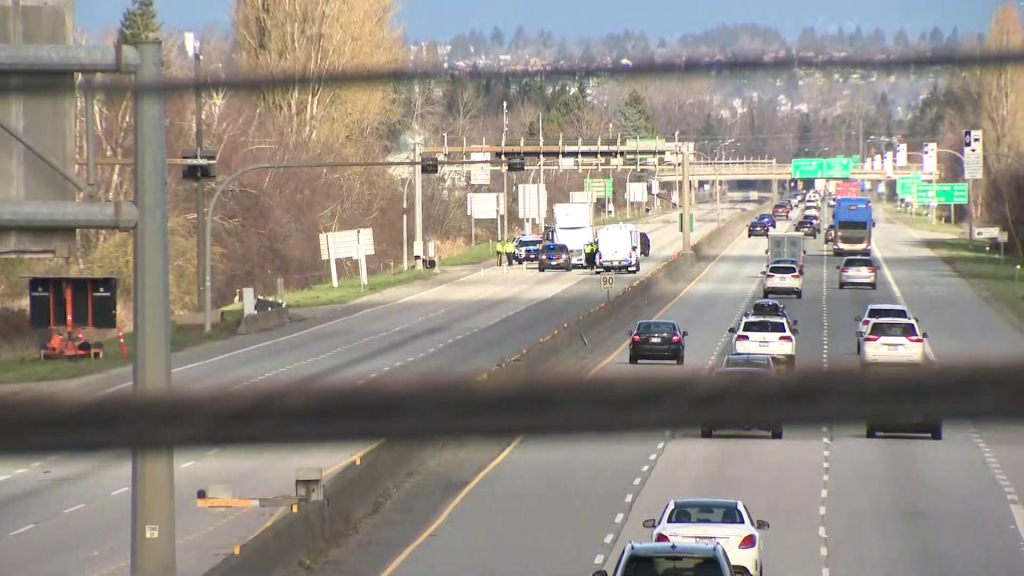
[[152, 521], [417, 157], [193, 48]]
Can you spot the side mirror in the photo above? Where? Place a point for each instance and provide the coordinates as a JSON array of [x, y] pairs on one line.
[[924, 335], [762, 525], [916, 320], [732, 330], [766, 252], [685, 333], [857, 318], [795, 322], [650, 523], [763, 272], [838, 267], [795, 331], [629, 332]]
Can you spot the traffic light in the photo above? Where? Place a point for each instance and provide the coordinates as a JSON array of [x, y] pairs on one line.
[[428, 165], [516, 164]]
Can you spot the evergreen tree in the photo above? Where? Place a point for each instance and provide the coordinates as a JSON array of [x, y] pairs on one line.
[[563, 54], [805, 138], [497, 38], [138, 23], [635, 118]]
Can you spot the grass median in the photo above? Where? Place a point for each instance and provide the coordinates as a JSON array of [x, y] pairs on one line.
[[922, 222], [998, 279]]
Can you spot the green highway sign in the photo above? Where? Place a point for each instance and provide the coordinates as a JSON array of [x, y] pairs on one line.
[[681, 223], [808, 167], [600, 187], [837, 168], [951, 193], [905, 186], [924, 193]]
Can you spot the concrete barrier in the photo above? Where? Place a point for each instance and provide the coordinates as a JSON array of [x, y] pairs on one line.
[[359, 490], [264, 321]]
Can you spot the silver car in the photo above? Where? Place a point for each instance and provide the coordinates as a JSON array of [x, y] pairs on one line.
[[858, 271]]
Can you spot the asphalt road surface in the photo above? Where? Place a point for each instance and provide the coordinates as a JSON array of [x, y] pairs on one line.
[[63, 514], [838, 503]]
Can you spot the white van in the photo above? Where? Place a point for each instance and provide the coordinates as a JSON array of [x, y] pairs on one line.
[[618, 248]]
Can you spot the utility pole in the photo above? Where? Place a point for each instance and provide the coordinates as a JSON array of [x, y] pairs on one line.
[[775, 185], [540, 133], [418, 248], [153, 531], [861, 135], [504, 168], [684, 183], [192, 46]]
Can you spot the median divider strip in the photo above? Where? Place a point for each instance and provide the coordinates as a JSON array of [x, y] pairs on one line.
[[354, 493]]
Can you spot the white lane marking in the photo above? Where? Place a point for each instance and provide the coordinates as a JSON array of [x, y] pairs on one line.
[[645, 468], [629, 498], [35, 464], [302, 332], [2, 478], [212, 452], [661, 445], [119, 490], [608, 539], [599, 559], [821, 532], [652, 457], [187, 464], [821, 510], [996, 471], [636, 481], [824, 551], [619, 517], [21, 470], [22, 529], [73, 508]]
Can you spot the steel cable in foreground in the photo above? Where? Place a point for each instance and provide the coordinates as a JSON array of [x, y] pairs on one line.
[[737, 63], [330, 410]]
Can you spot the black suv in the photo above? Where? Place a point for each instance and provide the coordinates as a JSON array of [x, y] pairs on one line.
[[686, 558], [807, 227], [757, 228], [555, 256]]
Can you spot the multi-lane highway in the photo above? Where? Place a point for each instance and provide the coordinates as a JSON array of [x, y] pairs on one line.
[[838, 503], [61, 514]]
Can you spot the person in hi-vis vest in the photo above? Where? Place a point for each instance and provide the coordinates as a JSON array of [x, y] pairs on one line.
[[499, 251], [510, 249]]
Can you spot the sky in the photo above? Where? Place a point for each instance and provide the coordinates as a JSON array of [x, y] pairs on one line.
[[441, 19]]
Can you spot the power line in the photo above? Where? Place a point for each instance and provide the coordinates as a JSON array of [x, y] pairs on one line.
[[745, 63]]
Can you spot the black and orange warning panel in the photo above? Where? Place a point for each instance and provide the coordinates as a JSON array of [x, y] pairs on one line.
[[73, 301]]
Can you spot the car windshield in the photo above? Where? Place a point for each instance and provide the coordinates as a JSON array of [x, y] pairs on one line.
[[858, 263], [558, 248], [888, 313], [672, 565], [782, 270], [805, 223], [529, 243], [764, 326], [893, 329], [767, 309], [656, 327], [742, 361], [705, 513], [765, 216]]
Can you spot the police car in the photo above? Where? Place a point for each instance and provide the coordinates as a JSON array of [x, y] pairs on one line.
[[528, 248]]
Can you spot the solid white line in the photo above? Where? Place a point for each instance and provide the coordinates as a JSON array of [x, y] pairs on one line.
[[23, 529], [73, 508], [187, 464], [2, 478], [119, 490], [619, 517]]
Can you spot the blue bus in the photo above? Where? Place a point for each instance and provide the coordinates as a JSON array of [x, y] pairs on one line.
[[853, 224]]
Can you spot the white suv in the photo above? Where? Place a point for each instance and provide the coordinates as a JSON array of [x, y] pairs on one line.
[[892, 341], [768, 335], [887, 311], [782, 279]]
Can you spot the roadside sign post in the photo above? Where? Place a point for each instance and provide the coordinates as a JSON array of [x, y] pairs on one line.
[[974, 162], [607, 284]]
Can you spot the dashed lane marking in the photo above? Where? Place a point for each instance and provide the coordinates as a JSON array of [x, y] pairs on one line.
[[996, 471]]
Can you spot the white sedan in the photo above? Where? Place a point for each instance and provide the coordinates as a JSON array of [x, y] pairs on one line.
[[893, 341], [709, 521]]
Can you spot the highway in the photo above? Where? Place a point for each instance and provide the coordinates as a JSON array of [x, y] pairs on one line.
[[62, 514], [838, 503]]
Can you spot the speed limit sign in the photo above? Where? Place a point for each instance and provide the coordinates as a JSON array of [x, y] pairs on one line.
[[607, 281]]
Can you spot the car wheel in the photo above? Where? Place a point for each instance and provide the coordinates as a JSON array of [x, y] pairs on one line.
[[777, 433], [871, 433], [680, 359], [706, 431], [633, 359], [799, 294], [842, 286], [858, 346], [937, 433], [764, 294], [874, 286], [540, 268], [749, 234]]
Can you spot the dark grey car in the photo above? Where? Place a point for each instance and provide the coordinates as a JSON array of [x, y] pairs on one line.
[[675, 558], [657, 340]]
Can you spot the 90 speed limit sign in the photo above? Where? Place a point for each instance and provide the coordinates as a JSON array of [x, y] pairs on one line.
[[607, 281]]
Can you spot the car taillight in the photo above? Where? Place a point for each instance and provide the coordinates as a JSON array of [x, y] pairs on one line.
[[915, 338], [770, 276], [630, 254], [742, 338], [864, 322], [845, 270], [794, 275], [872, 270], [636, 337], [871, 338], [785, 338], [661, 538], [749, 541], [676, 338]]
